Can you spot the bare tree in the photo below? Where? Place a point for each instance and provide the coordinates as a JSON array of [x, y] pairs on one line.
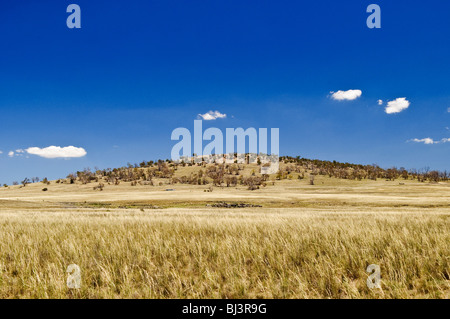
[[25, 181]]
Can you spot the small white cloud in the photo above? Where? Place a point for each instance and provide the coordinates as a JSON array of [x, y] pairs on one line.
[[11, 154], [57, 151], [212, 115], [20, 151], [448, 110], [346, 95], [429, 140], [1, 152], [426, 140], [380, 102], [397, 105]]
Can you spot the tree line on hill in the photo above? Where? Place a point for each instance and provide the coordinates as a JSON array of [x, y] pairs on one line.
[[232, 174]]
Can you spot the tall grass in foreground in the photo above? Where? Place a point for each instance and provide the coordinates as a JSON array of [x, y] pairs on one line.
[[224, 254]]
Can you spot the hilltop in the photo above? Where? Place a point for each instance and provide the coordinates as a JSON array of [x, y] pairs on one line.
[[251, 174]]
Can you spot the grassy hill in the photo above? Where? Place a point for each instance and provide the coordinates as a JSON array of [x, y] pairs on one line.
[[298, 183]]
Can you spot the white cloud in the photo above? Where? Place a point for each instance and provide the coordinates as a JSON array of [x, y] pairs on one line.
[[426, 140], [11, 154], [57, 151], [20, 151], [212, 115], [448, 110], [346, 95], [396, 106], [380, 102], [1, 152], [429, 140]]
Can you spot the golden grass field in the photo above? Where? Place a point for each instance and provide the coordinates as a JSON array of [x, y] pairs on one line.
[[305, 242]]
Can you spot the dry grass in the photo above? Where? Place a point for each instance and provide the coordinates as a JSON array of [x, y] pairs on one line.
[[306, 242], [176, 253]]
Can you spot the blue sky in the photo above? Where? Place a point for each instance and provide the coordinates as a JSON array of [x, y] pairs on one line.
[[136, 70]]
